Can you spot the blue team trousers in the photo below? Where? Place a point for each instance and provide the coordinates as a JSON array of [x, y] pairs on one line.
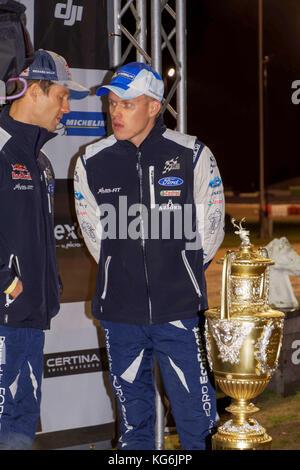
[[180, 354], [21, 369]]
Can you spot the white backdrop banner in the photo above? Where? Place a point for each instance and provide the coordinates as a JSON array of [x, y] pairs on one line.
[[84, 124], [75, 388]]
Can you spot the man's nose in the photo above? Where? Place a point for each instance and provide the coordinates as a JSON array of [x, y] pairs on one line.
[[116, 110], [66, 107]]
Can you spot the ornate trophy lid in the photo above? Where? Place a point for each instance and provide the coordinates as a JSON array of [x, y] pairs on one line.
[[247, 255]]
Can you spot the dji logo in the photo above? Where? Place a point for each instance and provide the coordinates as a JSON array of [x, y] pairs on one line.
[[71, 14]]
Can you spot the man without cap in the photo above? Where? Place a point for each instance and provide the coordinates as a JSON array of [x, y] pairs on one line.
[[29, 281], [150, 204]]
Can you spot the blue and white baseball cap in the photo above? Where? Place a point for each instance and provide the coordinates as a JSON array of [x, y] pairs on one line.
[[48, 65], [133, 80]]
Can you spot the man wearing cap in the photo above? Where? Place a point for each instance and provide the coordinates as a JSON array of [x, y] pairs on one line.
[[29, 283], [150, 204]]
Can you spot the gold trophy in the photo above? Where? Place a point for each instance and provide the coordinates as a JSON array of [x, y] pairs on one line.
[[243, 340]]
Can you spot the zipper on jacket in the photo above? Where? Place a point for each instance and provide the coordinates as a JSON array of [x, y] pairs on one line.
[[140, 176], [151, 185], [108, 259], [191, 274], [49, 199]]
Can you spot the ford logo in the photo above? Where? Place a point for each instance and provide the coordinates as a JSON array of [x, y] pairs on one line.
[[78, 195], [215, 182], [170, 181]]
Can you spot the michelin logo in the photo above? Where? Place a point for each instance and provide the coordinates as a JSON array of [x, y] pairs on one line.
[[68, 12], [84, 123]]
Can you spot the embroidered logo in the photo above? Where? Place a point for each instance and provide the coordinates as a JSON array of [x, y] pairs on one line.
[[20, 172], [171, 165], [170, 181], [23, 187], [170, 193], [108, 190], [215, 182], [169, 206]]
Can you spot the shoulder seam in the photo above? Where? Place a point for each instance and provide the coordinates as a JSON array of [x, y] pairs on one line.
[[185, 140], [4, 137], [95, 148], [198, 149]]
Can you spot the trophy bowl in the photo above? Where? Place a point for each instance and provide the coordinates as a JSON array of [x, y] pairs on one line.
[[243, 341]]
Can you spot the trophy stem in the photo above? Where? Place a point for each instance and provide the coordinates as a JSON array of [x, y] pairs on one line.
[[241, 410]]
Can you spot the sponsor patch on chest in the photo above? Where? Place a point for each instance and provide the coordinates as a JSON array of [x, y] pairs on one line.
[[108, 190], [20, 172], [170, 193], [171, 165], [170, 206], [170, 181]]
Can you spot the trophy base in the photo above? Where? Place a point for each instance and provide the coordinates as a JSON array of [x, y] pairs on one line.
[[249, 436]]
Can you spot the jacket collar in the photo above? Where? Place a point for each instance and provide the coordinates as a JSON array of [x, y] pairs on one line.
[[157, 130], [27, 136]]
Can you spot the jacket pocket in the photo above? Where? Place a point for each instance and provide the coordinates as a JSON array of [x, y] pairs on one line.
[[107, 262], [191, 274], [151, 186]]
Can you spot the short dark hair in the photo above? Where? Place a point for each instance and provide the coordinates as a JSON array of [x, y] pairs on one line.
[[18, 86]]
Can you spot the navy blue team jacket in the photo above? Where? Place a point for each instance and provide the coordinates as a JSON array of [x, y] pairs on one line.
[[27, 244], [147, 279]]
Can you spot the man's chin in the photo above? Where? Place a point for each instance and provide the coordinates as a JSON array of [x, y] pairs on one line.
[[120, 136]]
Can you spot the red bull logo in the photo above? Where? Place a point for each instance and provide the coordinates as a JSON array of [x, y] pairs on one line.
[[20, 172]]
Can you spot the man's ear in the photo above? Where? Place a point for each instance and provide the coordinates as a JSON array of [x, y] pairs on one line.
[[34, 91], [155, 107]]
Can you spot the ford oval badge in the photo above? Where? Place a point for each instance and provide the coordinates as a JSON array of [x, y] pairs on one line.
[[215, 182], [170, 181]]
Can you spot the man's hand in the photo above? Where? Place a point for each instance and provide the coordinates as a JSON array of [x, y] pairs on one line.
[[17, 290]]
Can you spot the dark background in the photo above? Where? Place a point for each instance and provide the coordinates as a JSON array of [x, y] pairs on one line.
[[222, 87], [222, 77], [85, 44]]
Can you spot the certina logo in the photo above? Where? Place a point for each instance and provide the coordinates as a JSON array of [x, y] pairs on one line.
[[68, 12], [170, 181], [75, 362]]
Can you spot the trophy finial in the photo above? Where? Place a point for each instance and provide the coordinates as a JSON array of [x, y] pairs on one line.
[[242, 232]]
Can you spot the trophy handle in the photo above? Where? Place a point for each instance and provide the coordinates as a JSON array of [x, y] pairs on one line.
[[225, 292], [263, 287]]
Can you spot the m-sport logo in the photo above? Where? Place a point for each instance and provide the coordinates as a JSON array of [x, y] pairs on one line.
[[68, 12]]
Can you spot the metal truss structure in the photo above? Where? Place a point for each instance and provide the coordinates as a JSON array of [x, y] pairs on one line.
[[168, 36]]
